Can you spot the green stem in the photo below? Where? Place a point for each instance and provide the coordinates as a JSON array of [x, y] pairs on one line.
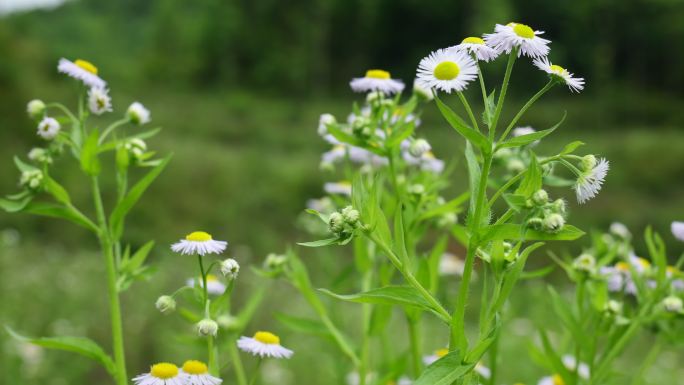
[[111, 128], [114, 305], [211, 354], [204, 283], [211, 351], [647, 362], [414, 334], [366, 322], [237, 363], [504, 89], [63, 109], [527, 105], [466, 105], [256, 371]]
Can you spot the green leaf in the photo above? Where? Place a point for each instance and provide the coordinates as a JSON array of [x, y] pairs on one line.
[[453, 206], [59, 211], [473, 177], [532, 181], [445, 371], [302, 325], [138, 258], [90, 163], [571, 147], [121, 210], [320, 243], [400, 245], [13, 206], [490, 108], [23, 167], [57, 191], [516, 202], [515, 231], [388, 295], [475, 137], [403, 132], [80, 345], [523, 140]]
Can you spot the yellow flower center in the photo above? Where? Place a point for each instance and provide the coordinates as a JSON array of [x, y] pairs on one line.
[[622, 266], [377, 74], [211, 278], [644, 262], [86, 65], [267, 338], [164, 370], [447, 70], [198, 236], [558, 69], [441, 352], [558, 380], [473, 40], [523, 30], [195, 367], [672, 270]]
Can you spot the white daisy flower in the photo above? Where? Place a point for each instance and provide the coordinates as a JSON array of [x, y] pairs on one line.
[[677, 229], [230, 269], [619, 229], [377, 80], [449, 264], [35, 108], [640, 265], [81, 70], [264, 344], [560, 74], [589, 183], [200, 243], [436, 355], [48, 128], [426, 162], [483, 371], [476, 46], [162, 373], [323, 122], [447, 70], [99, 101], [571, 363], [616, 276], [138, 114], [507, 37], [552, 380], [338, 188], [214, 286], [197, 373]]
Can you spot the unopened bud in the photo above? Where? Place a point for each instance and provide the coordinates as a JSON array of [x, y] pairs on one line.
[[165, 304], [35, 108], [553, 222], [586, 263], [614, 307], [230, 268], [540, 197], [350, 216], [673, 304], [207, 327], [589, 162], [336, 222]]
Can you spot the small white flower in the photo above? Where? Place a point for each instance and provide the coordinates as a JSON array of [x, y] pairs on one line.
[[340, 188], [561, 74], [207, 327], [640, 265], [323, 122], [99, 101], [586, 263], [165, 304], [447, 70], [32, 179], [162, 373], [81, 70], [40, 155], [197, 373], [264, 344], [200, 243], [377, 80], [507, 37], [449, 264], [48, 128], [483, 371], [476, 46], [214, 286], [35, 108], [620, 230], [678, 230], [404, 380], [138, 114], [136, 146], [571, 363], [673, 304], [419, 147], [230, 269], [322, 205], [589, 183]]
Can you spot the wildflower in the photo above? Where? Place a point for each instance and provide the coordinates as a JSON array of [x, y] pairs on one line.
[[617, 277], [592, 176], [165, 304], [553, 222], [585, 263], [377, 80], [477, 47], [582, 368], [214, 286], [350, 216], [422, 92], [419, 147], [507, 37], [40, 155], [162, 373], [31, 179], [137, 147], [138, 114], [207, 327], [540, 197], [99, 101], [673, 304], [678, 230], [552, 380], [640, 265], [620, 230], [230, 269], [48, 128], [446, 70], [35, 108], [197, 373], [560, 74], [323, 122], [483, 371], [264, 344], [439, 353], [339, 188], [200, 243], [613, 307], [81, 70]]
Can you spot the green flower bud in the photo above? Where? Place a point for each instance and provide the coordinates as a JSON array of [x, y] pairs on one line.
[[416, 189], [515, 165], [207, 327], [32, 179], [418, 147], [40, 155], [613, 307], [589, 162], [559, 206], [35, 108], [336, 223], [585, 263], [673, 304], [350, 216], [535, 223], [540, 197], [230, 268], [553, 223], [166, 304]]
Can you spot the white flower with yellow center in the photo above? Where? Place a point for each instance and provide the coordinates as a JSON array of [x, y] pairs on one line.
[[199, 242], [476, 46], [677, 229], [560, 74], [589, 182], [162, 373], [138, 114], [99, 101], [506, 37], [436, 355], [82, 70], [214, 286], [197, 373], [447, 70], [377, 80], [552, 380], [48, 128], [338, 188], [264, 344]]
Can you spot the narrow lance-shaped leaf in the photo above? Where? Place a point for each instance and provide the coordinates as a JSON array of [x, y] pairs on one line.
[[523, 140], [89, 160], [475, 137], [445, 371]]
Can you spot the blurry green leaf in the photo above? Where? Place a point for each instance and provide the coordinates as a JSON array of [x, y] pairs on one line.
[[490, 108], [444, 371], [122, 158], [380, 317], [515, 231], [571, 147], [90, 163], [523, 140], [138, 258], [516, 202], [80, 345], [403, 132], [13, 206], [302, 325], [320, 243], [475, 137], [552, 358], [473, 177], [557, 181], [453, 206], [532, 181], [23, 167], [59, 211], [400, 244], [388, 295], [56, 190]]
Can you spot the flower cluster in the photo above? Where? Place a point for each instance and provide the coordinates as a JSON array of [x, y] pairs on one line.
[[192, 372]]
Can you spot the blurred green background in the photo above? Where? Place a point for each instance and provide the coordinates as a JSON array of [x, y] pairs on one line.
[[238, 87]]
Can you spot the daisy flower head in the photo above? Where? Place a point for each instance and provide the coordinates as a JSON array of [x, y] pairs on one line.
[[507, 37], [48, 128], [197, 373], [552, 380], [99, 101], [377, 80], [230, 269], [677, 229], [138, 114], [82, 70], [476, 46], [560, 74], [163, 373], [447, 70], [199, 242], [436, 355], [214, 286], [591, 179], [264, 344]]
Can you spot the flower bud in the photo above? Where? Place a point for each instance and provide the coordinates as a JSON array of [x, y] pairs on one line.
[[350, 216], [323, 122], [137, 147], [40, 155], [274, 261], [588, 162], [515, 165], [416, 189], [418, 147], [447, 220], [559, 206], [553, 222], [336, 222], [535, 223], [230, 268], [540, 197], [31, 179], [613, 307], [35, 108], [673, 304], [138, 114], [165, 304], [207, 327], [585, 263], [620, 230], [374, 96]]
